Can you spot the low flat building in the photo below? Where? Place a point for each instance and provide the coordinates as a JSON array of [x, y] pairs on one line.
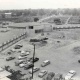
[[8, 15]]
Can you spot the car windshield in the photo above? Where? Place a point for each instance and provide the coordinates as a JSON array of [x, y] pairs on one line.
[[34, 67], [71, 72], [42, 71], [46, 61]]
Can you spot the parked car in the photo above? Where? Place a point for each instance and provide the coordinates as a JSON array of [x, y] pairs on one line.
[[10, 58], [18, 46], [24, 64], [35, 69], [29, 59], [28, 66], [58, 77], [35, 59], [42, 73], [79, 61], [19, 62], [13, 50], [45, 63], [49, 76], [22, 57], [23, 53], [9, 52], [70, 74]]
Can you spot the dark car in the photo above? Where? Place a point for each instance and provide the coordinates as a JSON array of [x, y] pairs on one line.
[[35, 59], [10, 58], [9, 52], [79, 61], [18, 46], [28, 66]]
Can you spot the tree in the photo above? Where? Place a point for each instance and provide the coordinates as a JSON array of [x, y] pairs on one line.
[[57, 21], [36, 19]]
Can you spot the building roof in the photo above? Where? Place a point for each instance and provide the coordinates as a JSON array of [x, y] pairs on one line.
[[8, 13], [5, 78], [25, 24], [4, 74]]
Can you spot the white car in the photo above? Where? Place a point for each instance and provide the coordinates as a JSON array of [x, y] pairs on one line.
[[42, 73], [24, 64], [35, 69], [45, 63], [70, 75], [22, 57], [24, 53], [19, 62], [13, 50]]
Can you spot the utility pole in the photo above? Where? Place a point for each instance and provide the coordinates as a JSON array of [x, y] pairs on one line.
[[33, 60]]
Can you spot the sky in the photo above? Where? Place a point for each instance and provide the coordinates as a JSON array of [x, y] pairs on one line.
[[38, 4]]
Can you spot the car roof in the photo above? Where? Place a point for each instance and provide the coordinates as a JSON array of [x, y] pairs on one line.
[[72, 71], [22, 51], [46, 61], [43, 70], [35, 67]]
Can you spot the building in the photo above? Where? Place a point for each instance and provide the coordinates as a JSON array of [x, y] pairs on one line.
[[22, 25], [8, 15], [32, 28], [4, 74]]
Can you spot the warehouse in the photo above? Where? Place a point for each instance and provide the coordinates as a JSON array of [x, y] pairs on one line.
[[32, 27], [22, 25]]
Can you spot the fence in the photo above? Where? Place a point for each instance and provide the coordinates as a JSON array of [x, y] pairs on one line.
[[12, 41]]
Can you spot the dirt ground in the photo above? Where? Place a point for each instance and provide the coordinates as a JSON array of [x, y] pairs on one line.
[[59, 50], [12, 33]]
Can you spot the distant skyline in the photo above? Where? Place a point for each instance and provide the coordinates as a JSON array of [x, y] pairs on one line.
[[38, 4]]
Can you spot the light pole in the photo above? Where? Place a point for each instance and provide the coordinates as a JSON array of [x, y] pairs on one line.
[[33, 59]]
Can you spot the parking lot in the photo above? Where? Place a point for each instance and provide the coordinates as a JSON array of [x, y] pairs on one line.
[[61, 56]]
